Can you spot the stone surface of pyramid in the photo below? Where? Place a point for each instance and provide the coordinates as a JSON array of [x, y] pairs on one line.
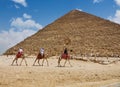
[[78, 31]]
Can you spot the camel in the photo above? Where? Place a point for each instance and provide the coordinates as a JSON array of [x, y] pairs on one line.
[[17, 57], [66, 57], [39, 56]]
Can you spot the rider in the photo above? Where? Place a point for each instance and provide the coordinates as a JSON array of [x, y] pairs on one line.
[[20, 51], [42, 51], [66, 51]]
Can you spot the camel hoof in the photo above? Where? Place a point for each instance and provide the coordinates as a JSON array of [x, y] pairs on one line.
[[59, 66]]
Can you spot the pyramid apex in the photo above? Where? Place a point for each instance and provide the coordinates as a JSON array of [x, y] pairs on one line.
[[76, 10]]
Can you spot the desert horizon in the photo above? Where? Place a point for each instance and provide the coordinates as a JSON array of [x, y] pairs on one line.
[[81, 74]]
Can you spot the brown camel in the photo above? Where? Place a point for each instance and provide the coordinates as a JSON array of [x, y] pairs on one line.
[[66, 57], [18, 55], [44, 57]]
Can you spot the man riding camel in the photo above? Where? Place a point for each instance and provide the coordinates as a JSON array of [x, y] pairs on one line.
[[41, 55], [65, 56], [20, 52], [65, 53], [42, 51]]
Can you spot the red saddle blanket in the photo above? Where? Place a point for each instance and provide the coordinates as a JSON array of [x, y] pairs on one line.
[[65, 56], [39, 56], [19, 55]]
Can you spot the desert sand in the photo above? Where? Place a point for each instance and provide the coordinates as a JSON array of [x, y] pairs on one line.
[[81, 74]]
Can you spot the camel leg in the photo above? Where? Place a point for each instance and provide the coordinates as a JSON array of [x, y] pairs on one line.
[[39, 62], [13, 61], [21, 62], [16, 61], [69, 62], [65, 62], [59, 62], [47, 61], [34, 61], [25, 61], [43, 61]]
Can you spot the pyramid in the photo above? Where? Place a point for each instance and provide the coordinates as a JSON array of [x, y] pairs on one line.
[[79, 31]]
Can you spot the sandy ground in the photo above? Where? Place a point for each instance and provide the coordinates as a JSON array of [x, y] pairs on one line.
[[81, 74]]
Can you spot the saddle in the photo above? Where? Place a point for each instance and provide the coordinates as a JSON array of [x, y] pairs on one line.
[[19, 55], [65, 56], [39, 56]]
